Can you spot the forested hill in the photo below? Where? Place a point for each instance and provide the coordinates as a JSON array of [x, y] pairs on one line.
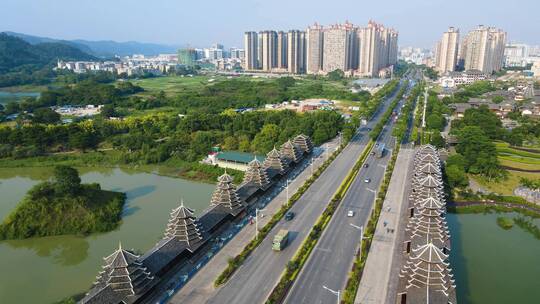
[[16, 53]]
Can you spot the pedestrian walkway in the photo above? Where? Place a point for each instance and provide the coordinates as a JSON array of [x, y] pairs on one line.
[[200, 288], [381, 263]]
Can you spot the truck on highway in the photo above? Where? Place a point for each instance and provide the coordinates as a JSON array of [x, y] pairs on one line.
[[380, 151], [280, 240]]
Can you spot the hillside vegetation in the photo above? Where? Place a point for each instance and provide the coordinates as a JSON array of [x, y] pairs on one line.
[[15, 52]]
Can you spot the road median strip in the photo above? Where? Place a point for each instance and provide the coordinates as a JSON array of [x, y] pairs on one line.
[[295, 264], [237, 261], [353, 281]]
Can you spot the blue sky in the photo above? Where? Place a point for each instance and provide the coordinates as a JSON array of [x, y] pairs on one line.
[[202, 22]]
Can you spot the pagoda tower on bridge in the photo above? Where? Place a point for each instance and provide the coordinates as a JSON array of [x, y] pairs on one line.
[[226, 195], [124, 274], [256, 174], [184, 226], [274, 161], [304, 143], [291, 152]]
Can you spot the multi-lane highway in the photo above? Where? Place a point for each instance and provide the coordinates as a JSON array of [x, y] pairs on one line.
[[253, 282], [332, 259], [333, 256]]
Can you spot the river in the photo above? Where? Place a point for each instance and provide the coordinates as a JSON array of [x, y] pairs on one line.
[[493, 265], [45, 270], [6, 97]]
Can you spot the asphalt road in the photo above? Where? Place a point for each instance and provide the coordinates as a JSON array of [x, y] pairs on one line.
[[332, 258], [253, 282]]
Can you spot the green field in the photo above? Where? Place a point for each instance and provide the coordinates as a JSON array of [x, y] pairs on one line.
[[515, 158], [507, 186], [174, 84]]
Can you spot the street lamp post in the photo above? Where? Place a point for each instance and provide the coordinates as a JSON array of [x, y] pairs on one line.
[[362, 237], [257, 210], [287, 190], [336, 292]]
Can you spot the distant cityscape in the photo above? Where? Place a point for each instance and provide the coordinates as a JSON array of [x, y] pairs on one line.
[[370, 51], [358, 51]]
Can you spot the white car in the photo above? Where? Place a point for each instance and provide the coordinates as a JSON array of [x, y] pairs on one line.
[[350, 213], [367, 180]]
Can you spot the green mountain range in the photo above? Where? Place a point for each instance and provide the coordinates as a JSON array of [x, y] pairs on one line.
[[105, 48], [17, 54]]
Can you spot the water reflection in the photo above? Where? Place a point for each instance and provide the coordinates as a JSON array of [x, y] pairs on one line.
[[63, 250]]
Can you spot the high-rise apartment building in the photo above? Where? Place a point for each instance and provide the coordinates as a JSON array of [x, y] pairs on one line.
[[371, 49], [314, 50], [282, 50], [336, 48], [319, 50], [269, 50], [446, 54], [296, 52], [251, 44], [483, 49]]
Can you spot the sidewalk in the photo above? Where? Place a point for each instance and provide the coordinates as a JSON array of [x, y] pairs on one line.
[[200, 288], [381, 263]]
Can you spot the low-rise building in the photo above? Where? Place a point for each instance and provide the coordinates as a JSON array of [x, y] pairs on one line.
[[452, 79]]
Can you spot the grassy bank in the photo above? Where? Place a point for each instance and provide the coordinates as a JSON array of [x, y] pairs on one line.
[[113, 159]]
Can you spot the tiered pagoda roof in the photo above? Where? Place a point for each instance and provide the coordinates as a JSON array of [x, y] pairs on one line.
[[275, 162], [123, 275], [184, 226], [256, 174], [304, 143], [226, 196], [291, 152], [426, 275]]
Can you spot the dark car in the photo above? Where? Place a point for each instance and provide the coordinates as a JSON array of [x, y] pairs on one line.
[[366, 165], [289, 216]]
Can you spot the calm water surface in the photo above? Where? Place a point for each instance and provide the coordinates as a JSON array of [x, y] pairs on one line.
[[493, 265], [6, 97], [44, 270]]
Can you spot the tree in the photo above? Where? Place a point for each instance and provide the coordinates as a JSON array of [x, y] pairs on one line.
[[435, 121], [437, 140], [66, 180], [46, 116], [285, 82], [265, 140], [336, 75], [478, 152], [497, 99], [108, 111], [456, 176], [230, 143]]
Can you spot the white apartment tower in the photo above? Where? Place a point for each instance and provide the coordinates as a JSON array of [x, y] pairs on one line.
[[483, 49], [337, 48], [370, 49], [447, 51], [282, 50], [269, 50], [315, 43], [296, 52], [251, 51]]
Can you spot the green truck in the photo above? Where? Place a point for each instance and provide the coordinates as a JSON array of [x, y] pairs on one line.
[[280, 240]]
